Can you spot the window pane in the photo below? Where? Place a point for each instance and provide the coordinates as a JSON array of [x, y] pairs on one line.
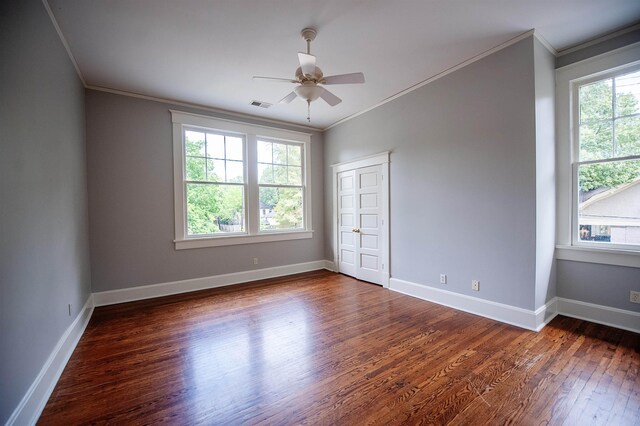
[[294, 155], [280, 208], [235, 172], [215, 146], [609, 202], [596, 141], [628, 94], [214, 208], [234, 148], [265, 173], [295, 175], [265, 154], [279, 153], [194, 143], [596, 101], [215, 170], [195, 168], [627, 136], [280, 175]]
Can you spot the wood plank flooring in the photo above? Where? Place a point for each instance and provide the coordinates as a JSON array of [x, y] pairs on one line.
[[322, 348]]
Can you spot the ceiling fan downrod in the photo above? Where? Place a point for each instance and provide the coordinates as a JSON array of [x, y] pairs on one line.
[[309, 34]]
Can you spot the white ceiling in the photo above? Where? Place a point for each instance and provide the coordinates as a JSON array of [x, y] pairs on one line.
[[205, 52]]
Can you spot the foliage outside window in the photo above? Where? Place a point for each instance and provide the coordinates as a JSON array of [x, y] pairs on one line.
[[608, 161], [280, 185], [237, 183], [214, 177]]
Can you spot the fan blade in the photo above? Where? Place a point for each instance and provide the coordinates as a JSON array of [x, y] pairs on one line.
[[307, 63], [353, 78], [287, 99], [278, 80], [330, 98]]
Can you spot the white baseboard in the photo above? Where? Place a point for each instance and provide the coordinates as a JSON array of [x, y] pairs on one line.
[[33, 402], [530, 320], [545, 313], [524, 318], [619, 318], [329, 265], [166, 289]]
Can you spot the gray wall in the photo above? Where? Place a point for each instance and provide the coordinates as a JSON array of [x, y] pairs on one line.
[[462, 177], [130, 172], [606, 285], [545, 89], [44, 249]]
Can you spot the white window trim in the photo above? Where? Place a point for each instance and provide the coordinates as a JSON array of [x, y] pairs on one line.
[[252, 133], [567, 79]]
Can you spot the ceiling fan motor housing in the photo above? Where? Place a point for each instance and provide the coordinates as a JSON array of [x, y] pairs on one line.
[[316, 78]]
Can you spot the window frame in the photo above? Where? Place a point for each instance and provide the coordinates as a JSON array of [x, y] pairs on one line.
[[251, 133], [597, 66], [575, 156], [277, 186], [186, 181]]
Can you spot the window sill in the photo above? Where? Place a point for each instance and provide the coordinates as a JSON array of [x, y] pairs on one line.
[[240, 239], [599, 255]]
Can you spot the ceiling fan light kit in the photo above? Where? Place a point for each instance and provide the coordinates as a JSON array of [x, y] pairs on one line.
[[310, 79]]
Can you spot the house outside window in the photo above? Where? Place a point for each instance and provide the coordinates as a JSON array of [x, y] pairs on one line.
[[607, 160], [237, 183]]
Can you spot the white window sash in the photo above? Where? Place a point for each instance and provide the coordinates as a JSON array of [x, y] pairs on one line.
[[574, 122]]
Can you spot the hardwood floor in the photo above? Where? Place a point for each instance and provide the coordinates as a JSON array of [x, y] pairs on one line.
[[322, 348]]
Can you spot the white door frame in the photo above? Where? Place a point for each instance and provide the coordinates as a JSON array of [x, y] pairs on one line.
[[381, 159]]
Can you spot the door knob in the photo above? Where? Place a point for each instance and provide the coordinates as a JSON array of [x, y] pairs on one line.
[[356, 230]]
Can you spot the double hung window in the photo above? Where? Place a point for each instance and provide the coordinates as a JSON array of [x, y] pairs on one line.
[[237, 183], [280, 185], [606, 160]]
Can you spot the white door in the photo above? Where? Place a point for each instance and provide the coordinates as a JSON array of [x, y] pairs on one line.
[[361, 236]]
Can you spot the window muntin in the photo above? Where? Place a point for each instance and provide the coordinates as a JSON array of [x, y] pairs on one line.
[[215, 182], [607, 170], [280, 186], [222, 156]]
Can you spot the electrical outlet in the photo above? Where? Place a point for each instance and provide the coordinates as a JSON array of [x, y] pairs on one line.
[[634, 296], [443, 279], [255, 260], [475, 285]]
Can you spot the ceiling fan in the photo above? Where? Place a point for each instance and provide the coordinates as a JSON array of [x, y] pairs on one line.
[[310, 79]]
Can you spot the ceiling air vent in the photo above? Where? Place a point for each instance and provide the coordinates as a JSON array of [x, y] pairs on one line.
[[260, 104]]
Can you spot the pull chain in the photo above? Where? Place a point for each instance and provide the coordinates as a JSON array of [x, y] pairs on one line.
[[309, 111]]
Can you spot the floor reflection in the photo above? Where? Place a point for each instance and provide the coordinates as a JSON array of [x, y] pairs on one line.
[[234, 362]]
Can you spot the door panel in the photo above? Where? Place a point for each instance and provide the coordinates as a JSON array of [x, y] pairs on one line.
[[369, 242], [368, 201], [360, 225], [368, 221], [348, 257]]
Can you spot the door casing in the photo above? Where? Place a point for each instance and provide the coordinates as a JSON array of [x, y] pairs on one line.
[[381, 159]]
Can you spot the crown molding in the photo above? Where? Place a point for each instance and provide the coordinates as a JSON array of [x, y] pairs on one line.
[[64, 41], [439, 75], [598, 40], [545, 43], [201, 107]]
